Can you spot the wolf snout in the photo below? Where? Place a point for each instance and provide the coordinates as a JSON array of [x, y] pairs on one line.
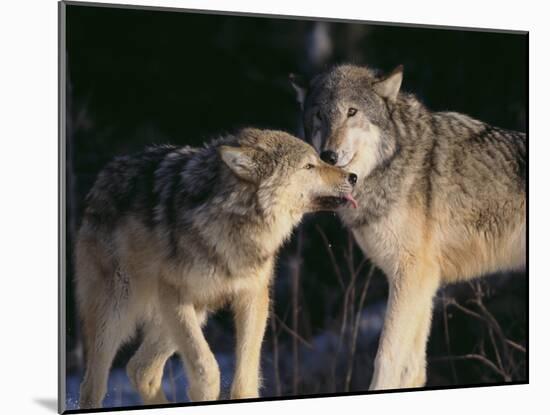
[[329, 156]]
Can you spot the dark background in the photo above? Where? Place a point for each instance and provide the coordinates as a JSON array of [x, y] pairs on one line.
[[137, 77]]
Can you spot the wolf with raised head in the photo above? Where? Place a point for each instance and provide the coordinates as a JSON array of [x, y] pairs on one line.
[[172, 234], [442, 198]]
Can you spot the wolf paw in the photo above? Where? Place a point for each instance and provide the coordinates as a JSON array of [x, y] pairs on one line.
[[206, 383], [243, 394]]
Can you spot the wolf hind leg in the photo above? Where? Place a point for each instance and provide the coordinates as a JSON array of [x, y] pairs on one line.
[[103, 337], [146, 367]]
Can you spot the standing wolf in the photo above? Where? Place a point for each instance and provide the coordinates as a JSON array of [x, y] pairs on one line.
[[441, 196], [172, 234]]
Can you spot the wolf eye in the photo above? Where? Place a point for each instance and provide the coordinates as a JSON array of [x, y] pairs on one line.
[[352, 112], [309, 166]]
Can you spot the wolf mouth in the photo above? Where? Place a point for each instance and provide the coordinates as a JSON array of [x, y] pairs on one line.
[[335, 202]]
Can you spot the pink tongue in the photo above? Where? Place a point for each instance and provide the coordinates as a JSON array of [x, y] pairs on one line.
[[350, 199]]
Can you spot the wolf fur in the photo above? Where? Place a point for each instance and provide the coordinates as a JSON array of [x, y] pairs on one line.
[[442, 198], [174, 233]]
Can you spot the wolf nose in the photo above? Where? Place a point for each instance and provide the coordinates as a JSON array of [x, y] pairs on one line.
[[329, 156], [352, 178]]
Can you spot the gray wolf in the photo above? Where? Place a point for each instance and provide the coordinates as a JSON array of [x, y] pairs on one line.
[[172, 234], [442, 198]]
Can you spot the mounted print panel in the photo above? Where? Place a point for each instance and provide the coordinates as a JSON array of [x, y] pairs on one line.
[[271, 207]]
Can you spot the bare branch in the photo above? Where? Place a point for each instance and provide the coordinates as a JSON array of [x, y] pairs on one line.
[[516, 346], [295, 286], [465, 310], [333, 261], [356, 328], [477, 357], [275, 349], [293, 332], [494, 328]]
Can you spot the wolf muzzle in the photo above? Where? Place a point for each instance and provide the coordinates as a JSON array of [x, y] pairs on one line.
[[330, 157]]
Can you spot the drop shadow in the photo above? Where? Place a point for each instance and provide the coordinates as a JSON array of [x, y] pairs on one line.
[[48, 403]]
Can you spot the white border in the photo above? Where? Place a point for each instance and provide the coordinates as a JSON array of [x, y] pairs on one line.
[[28, 99]]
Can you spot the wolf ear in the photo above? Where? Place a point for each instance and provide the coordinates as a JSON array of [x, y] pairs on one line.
[[300, 86], [240, 161], [389, 86]]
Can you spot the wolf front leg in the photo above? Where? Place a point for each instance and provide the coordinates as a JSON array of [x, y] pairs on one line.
[[146, 367], [413, 374], [184, 324], [251, 311], [401, 357]]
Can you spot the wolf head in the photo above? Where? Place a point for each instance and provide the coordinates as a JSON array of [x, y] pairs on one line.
[[287, 172], [346, 115]]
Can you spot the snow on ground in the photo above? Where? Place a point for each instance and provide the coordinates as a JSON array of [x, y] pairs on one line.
[[122, 393], [313, 362]]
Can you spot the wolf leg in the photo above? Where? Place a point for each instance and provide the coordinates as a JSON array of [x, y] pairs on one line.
[[103, 338], [184, 323], [146, 367], [406, 326], [414, 372], [251, 313]]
